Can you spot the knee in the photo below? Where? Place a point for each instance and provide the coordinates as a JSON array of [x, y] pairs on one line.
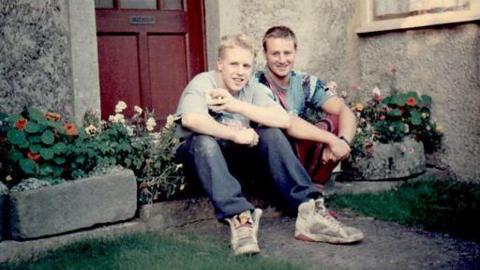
[[271, 134], [205, 145]]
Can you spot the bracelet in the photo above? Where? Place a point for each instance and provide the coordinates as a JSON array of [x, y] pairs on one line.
[[344, 139]]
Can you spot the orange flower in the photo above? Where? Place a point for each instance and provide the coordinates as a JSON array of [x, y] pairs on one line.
[[52, 116], [411, 101], [70, 129], [21, 123], [33, 156]]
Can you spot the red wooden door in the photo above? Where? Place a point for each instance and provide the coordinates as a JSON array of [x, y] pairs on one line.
[[148, 50]]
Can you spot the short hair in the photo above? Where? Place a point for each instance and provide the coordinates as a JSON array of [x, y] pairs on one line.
[[239, 40], [280, 31]]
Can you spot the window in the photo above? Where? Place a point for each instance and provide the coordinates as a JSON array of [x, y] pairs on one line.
[[382, 15]]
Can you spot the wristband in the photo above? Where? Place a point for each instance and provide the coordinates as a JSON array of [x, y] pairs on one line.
[[345, 140]]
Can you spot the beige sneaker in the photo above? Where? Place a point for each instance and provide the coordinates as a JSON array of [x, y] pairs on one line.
[[244, 230], [314, 223]]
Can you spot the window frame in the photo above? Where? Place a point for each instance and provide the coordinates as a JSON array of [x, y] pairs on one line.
[[368, 25]]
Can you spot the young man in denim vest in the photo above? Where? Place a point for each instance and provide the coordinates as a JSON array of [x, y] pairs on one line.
[[319, 146], [228, 123]]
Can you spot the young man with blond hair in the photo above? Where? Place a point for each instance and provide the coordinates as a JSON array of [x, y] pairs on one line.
[[319, 146], [231, 123]]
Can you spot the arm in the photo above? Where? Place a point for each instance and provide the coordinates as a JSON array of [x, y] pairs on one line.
[[205, 124], [346, 118], [272, 116]]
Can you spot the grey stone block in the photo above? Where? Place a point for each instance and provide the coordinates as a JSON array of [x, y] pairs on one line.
[[73, 205], [2, 216], [394, 160]]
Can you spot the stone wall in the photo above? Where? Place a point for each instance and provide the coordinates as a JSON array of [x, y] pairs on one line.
[[442, 61], [35, 56], [445, 63]]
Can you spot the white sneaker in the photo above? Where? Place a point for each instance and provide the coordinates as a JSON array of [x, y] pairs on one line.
[[314, 223], [244, 230]]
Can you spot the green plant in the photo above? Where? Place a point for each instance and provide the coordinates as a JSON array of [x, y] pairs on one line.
[[133, 143], [34, 144], [39, 145]]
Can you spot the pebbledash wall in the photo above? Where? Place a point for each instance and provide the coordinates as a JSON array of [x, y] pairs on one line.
[[48, 58]]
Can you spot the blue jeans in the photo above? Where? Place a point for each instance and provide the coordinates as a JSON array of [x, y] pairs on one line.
[[210, 159]]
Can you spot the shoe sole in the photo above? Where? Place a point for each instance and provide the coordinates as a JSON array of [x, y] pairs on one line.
[[329, 239], [250, 250]]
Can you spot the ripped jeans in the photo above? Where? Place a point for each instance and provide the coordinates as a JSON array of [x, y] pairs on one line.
[[209, 160]]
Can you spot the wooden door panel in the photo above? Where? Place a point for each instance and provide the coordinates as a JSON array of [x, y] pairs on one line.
[[119, 71], [168, 71], [147, 56]]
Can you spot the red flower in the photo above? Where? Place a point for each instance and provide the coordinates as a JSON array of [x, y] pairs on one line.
[[21, 123], [33, 156], [70, 129], [411, 101], [52, 116]]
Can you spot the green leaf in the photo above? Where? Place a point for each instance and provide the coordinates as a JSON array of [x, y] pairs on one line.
[[56, 125], [25, 145], [427, 100], [32, 127], [59, 148], [45, 170], [57, 171], [35, 139], [395, 113], [415, 118], [35, 114], [15, 155], [35, 148], [46, 153], [28, 166], [48, 137], [80, 159], [402, 100], [16, 137], [59, 160]]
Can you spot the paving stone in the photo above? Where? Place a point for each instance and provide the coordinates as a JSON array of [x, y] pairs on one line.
[[73, 205]]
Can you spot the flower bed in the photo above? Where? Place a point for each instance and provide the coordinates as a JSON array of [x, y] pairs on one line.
[[393, 133], [55, 170], [40, 145]]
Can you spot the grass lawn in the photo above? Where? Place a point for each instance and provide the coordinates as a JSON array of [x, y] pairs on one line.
[[445, 206], [150, 251]]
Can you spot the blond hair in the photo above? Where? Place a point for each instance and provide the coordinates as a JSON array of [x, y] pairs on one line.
[[237, 40]]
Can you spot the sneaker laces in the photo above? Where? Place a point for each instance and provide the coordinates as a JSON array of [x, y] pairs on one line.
[[321, 210], [244, 225]]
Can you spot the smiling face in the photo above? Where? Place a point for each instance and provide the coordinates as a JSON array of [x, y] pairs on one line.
[[280, 56], [235, 68]]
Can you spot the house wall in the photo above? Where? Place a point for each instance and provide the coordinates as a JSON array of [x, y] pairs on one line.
[[35, 60], [442, 61], [48, 56], [48, 59]]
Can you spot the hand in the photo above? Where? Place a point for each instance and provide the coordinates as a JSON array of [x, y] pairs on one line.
[[337, 150], [246, 136], [221, 100]]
